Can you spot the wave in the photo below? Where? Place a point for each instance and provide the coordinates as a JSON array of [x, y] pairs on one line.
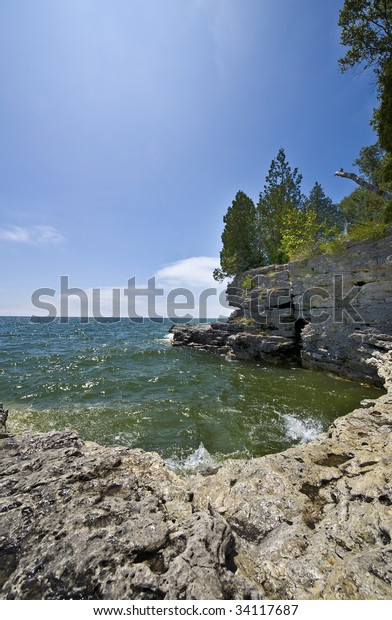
[[301, 430], [168, 339], [198, 461]]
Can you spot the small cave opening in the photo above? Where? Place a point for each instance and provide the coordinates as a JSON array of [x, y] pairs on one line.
[[298, 327]]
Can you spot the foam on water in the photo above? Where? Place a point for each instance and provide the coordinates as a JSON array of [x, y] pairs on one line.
[[167, 339], [301, 430], [197, 461]]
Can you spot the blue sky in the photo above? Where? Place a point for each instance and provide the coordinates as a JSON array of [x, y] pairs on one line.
[[127, 127]]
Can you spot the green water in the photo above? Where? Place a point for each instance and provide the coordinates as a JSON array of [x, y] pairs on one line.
[[124, 383]]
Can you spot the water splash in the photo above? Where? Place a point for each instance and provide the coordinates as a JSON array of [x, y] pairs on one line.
[[301, 430], [198, 461]]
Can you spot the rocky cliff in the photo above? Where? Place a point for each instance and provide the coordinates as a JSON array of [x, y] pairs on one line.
[[314, 522], [330, 312]]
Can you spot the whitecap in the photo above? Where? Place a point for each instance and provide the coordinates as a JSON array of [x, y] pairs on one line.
[[198, 461], [167, 339], [301, 430]]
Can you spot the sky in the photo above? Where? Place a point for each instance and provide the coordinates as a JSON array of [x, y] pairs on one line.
[[127, 127]]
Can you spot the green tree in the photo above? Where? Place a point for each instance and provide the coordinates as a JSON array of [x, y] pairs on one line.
[[367, 32], [362, 207], [239, 238], [370, 163], [383, 118], [329, 216], [282, 193], [301, 233], [366, 213]]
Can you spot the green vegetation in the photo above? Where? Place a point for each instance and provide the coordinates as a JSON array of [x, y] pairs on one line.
[[287, 225], [248, 283], [366, 29], [284, 226], [281, 196], [246, 320], [240, 247], [383, 120]]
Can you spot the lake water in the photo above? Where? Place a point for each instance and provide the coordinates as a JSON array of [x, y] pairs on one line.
[[125, 384]]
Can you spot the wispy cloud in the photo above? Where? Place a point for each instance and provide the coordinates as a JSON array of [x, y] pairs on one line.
[[33, 235]]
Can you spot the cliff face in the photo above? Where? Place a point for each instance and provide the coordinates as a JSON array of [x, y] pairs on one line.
[[330, 312], [314, 522]]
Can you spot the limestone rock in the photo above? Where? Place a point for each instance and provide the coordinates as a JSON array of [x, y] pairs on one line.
[[81, 521], [332, 313], [84, 522], [315, 521]]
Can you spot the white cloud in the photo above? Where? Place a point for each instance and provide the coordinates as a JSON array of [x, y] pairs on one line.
[[34, 235], [189, 273], [195, 275]]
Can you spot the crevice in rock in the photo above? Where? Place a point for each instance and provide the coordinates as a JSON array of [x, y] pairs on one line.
[[334, 460], [298, 327], [154, 561], [314, 513], [310, 491], [385, 536], [230, 555], [362, 498], [9, 562], [148, 594]]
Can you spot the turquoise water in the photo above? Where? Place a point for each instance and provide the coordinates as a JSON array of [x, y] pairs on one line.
[[124, 383]]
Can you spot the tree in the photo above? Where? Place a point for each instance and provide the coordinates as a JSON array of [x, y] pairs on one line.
[[363, 208], [367, 32], [383, 119], [318, 220], [370, 161], [282, 193], [363, 183], [301, 233], [239, 238], [329, 216], [368, 208]]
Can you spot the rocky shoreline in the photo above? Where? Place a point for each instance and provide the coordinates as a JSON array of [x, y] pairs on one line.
[[332, 312], [81, 521]]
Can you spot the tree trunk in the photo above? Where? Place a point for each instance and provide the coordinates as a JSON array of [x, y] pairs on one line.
[[360, 181]]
